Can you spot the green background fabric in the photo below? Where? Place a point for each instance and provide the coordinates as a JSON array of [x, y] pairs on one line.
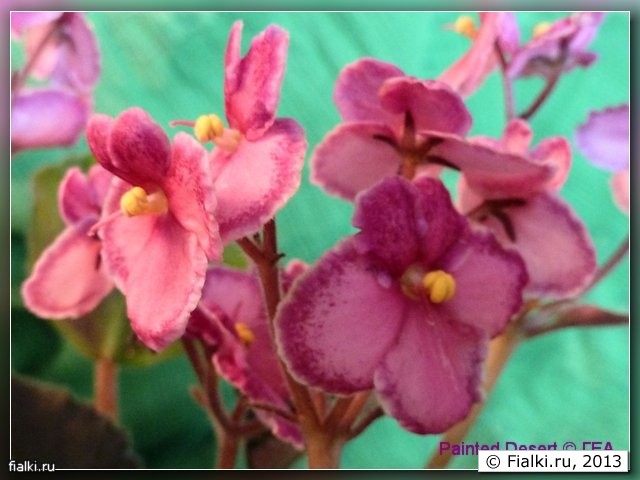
[[567, 386]]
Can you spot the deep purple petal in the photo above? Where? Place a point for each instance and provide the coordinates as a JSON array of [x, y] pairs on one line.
[[47, 118], [189, 190], [353, 157], [252, 84], [256, 181], [338, 321], [604, 138], [357, 92], [67, 281], [430, 377], [432, 105]]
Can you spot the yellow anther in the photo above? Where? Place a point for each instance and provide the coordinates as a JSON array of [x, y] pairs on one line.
[[244, 333], [440, 286], [208, 127], [137, 202], [465, 25], [541, 28]]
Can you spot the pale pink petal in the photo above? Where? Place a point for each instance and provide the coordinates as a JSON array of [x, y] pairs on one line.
[[553, 242], [252, 84], [21, 21], [555, 152], [67, 281], [76, 199], [517, 137], [100, 180], [254, 182], [189, 188], [491, 173], [357, 92], [338, 321], [160, 268], [489, 283], [620, 185], [354, 157], [430, 376], [432, 105], [46, 118], [44, 58], [604, 138]]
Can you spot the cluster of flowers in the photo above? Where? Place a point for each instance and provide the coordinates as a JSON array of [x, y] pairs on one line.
[[407, 305]]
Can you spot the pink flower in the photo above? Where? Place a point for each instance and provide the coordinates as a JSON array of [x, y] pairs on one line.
[[62, 50], [405, 307], [468, 73], [396, 124], [258, 163], [560, 46], [533, 219], [158, 228], [604, 140], [232, 321], [69, 279]]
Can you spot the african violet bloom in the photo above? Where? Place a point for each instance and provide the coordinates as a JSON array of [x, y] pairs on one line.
[[396, 124], [69, 279], [604, 140], [557, 47], [405, 307], [467, 74], [231, 320], [532, 218], [61, 49], [158, 228], [258, 163]]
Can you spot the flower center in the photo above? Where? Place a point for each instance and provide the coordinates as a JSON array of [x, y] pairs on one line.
[[137, 202], [209, 128], [437, 285], [244, 333], [464, 25], [540, 29]]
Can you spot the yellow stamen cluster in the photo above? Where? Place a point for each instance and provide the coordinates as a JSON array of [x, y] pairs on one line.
[[439, 285], [137, 202], [244, 333], [540, 29], [464, 25], [208, 127]]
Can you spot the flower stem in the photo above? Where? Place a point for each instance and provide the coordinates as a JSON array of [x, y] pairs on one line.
[[227, 451], [106, 388], [500, 351], [543, 95], [611, 263], [506, 82]]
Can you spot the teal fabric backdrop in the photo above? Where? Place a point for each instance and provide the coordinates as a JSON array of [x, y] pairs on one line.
[[567, 386]]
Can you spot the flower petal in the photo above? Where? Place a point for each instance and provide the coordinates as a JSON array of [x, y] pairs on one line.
[[252, 84], [433, 105], [67, 280], [338, 321], [160, 267], [357, 88], [189, 189], [429, 378], [489, 283], [46, 118], [604, 138], [354, 157], [555, 152], [254, 182], [76, 198], [620, 185], [21, 21]]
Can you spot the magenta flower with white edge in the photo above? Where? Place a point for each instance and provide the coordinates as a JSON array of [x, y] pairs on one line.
[[69, 279], [158, 226], [258, 161], [406, 306], [396, 124], [558, 46], [604, 140], [535, 220], [231, 320]]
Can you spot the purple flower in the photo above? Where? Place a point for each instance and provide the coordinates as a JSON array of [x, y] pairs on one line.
[[158, 228], [533, 219], [604, 140], [557, 47], [232, 321], [405, 307], [69, 279]]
